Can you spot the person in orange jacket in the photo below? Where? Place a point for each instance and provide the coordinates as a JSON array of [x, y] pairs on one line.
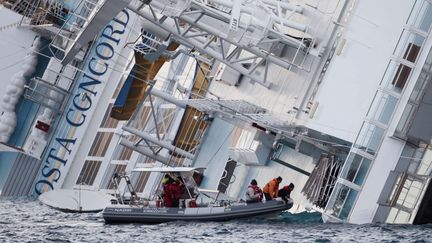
[[271, 188]]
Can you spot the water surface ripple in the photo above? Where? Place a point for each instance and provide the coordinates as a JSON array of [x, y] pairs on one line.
[[27, 220]]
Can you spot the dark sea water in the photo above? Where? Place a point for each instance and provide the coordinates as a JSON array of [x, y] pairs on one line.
[[27, 220]]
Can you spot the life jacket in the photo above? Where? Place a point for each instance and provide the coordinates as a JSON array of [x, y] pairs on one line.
[[257, 191], [286, 188], [167, 198], [285, 192], [267, 188], [175, 190]]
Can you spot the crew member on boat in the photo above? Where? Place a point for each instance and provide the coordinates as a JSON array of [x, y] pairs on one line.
[[166, 179], [271, 189], [285, 192], [172, 190], [254, 193]]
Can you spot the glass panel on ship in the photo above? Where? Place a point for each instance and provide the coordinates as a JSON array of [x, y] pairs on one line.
[[409, 46], [406, 195], [421, 16], [89, 172], [342, 201], [403, 191], [322, 172], [382, 107], [414, 166], [370, 138], [356, 169], [396, 76], [415, 98]]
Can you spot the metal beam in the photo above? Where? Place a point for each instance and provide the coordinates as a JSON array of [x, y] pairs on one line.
[[144, 151], [96, 21], [169, 98], [196, 45], [158, 142]]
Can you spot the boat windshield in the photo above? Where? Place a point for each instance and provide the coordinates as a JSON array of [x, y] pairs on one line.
[[212, 196]]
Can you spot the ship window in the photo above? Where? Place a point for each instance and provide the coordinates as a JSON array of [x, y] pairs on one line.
[[349, 202], [409, 46], [167, 118], [139, 180], [395, 76], [410, 193], [369, 138], [408, 51], [398, 216], [411, 106], [122, 153], [108, 121], [344, 198], [356, 168], [421, 16], [111, 171], [142, 118], [382, 107], [88, 172], [405, 197], [401, 77], [421, 164], [425, 166], [100, 144], [407, 200]]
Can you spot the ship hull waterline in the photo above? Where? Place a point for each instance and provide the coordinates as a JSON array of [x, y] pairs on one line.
[[130, 214]]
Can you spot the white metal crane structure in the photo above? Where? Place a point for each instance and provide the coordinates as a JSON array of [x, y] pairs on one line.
[[248, 36]]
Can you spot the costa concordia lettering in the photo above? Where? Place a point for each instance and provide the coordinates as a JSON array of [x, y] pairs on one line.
[[97, 69]]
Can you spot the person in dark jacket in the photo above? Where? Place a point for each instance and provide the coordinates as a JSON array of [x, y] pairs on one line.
[[285, 192], [172, 191], [176, 190], [167, 191]]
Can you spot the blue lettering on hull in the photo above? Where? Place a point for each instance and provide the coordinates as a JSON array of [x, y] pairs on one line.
[[75, 115]]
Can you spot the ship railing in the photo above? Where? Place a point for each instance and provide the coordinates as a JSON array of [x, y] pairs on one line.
[[286, 23], [46, 94], [25, 7], [146, 43], [44, 13], [76, 20], [248, 48]]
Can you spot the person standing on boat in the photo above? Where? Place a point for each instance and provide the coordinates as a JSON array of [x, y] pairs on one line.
[[254, 193], [271, 188], [167, 193], [285, 192], [177, 189], [172, 190], [166, 179]]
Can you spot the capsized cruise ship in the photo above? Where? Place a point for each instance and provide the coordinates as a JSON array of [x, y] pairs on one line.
[[332, 95]]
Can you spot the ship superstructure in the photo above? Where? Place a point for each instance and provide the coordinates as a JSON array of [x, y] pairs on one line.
[[331, 95]]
